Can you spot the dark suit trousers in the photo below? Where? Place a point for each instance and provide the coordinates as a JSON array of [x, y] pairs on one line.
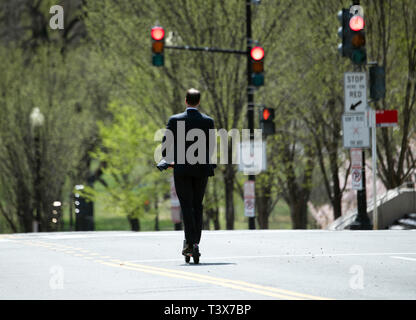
[[190, 191]]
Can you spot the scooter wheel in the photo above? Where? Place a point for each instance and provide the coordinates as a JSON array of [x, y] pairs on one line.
[[196, 259], [187, 259]]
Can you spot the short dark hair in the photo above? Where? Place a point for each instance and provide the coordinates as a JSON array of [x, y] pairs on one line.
[[193, 97]]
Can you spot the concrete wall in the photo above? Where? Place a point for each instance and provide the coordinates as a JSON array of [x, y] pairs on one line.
[[388, 210], [395, 208]]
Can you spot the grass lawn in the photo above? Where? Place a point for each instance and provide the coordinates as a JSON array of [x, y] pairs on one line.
[[104, 219]]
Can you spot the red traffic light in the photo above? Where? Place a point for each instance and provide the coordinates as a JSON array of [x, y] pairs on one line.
[[357, 23], [157, 33], [266, 114], [257, 53]]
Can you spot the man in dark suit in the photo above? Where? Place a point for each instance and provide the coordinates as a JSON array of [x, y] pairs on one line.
[[190, 159]]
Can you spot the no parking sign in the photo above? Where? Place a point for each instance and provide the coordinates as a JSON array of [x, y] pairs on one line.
[[249, 199], [356, 169]]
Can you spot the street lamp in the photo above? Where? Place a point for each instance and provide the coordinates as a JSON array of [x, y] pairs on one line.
[[37, 120]]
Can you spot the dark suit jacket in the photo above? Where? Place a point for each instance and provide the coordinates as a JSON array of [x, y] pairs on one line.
[[190, 119]]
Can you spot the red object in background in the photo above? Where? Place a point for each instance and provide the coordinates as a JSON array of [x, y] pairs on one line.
[[386, 118]]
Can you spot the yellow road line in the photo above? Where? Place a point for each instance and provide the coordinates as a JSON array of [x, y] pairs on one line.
[[237, 282], [215, 282]]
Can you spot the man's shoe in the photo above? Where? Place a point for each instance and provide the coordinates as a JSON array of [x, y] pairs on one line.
[[195, 250], [187, 249]]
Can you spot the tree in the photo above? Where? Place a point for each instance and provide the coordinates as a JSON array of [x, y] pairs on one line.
[[35, 162], [127, 149], [392, 43]]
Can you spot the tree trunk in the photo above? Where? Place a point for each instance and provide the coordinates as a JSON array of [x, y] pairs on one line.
[[229, 196], [157, 227], [212, 215], [298, 213], [337, 194], [134, 224], [263, 205], [24, 209]]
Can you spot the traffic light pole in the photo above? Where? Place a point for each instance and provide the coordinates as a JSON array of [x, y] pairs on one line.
[[250, 98], [206, 49]]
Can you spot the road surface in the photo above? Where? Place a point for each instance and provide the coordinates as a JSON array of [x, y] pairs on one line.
[[235, 265]]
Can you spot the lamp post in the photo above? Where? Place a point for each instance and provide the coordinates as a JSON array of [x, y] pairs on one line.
[[37, 120]]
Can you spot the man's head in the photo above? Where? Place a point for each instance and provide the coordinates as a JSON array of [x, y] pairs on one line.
[[193, 97]]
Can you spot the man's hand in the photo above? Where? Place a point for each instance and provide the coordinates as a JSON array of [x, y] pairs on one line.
[[171, 165]]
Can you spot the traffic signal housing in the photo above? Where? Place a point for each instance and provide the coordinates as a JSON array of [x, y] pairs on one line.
[[257, 66], [266, 120], [344, 48], [158, 43], [357, 39], [353, 36], [377, 82]]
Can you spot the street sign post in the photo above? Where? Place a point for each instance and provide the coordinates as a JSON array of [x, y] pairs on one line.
[[379, 118], [374, 162], [355, 92], [356, 132]]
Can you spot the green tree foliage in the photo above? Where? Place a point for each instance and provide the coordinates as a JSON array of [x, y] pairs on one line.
[[127, 149]]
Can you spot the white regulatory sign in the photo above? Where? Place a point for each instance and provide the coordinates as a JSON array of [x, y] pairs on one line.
[[249, 199], [356, 179], [355, 91], [356, 132], [356, 168]]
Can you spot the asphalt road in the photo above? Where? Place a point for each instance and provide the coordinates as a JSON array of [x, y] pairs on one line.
[[235, 265]]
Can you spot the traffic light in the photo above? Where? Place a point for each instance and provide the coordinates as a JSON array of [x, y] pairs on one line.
[[266, 120], [158, 43], [257, 67], [377, 82], [352, 34], [356, 38], [344, 48]]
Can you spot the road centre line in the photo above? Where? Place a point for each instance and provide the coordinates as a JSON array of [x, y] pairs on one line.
[[216, 281], [223, 280]]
